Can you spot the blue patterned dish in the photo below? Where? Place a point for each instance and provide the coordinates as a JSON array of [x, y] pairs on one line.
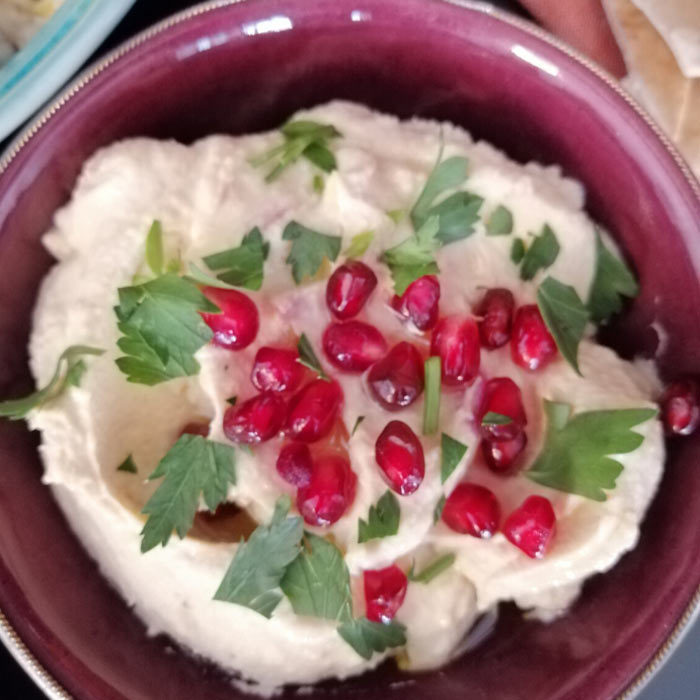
[[36, 72]]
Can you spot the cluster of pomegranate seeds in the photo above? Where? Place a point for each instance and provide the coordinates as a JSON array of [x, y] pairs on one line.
[[396, 381], [349, 288], [399, 455], [472, 510], [495, 311], [456, 341], [322, 474], [385, 590], [353, 346], [255, 420], [330, 491], [531, 526], [531, 344], [277, 369], [313, 410], [680, 407], [294, 464], [237, 324], [419, 303]]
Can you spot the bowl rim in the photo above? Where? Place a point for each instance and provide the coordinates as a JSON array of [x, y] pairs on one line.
[[8, 635]]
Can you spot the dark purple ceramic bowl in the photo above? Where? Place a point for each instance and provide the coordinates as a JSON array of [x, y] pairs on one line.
[[236, 67]]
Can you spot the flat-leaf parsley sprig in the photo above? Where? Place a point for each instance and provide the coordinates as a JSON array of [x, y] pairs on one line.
[[303, 138], [435, 224], [575, 454], [69, 371]]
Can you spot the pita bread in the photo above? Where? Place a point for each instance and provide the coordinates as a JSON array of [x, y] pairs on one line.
[[655, 78], [678, 22]]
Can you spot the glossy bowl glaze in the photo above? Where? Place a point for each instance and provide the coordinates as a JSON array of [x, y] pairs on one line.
[[237, 67]]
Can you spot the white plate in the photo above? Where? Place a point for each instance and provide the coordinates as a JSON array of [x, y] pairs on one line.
[[58, 49]]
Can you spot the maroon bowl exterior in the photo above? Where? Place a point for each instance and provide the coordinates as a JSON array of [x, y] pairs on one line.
[[246, 67]]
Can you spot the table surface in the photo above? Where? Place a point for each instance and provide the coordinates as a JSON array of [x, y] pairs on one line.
[[679, 679]]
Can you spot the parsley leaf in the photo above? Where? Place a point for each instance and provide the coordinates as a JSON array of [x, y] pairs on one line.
[[431, 405], [309, 248], [612, 280], [456, 216], [517, 250], [540, 254], [439, 507], [395, 215], [574, 457], [253, 577], [193, 467], [493, 418], [161, 329], [433, 569], [69, 371], [500, 223], [317, 184], [452, 451], [446, 175], [383, 520], [359, 244], [155, 256], [301, 138], [198, 276], [128, 465], [366, 637], [317, 582], [241, 266], [457, 213], [435, 225], [565, 316], [307, 357], [413, 257]]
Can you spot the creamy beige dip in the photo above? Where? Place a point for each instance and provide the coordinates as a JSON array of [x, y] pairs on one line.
[[208, 195]]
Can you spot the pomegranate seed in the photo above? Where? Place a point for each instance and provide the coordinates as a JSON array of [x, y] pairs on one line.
[[294, 464], [502, 395], [399, 455], [531, 344], [396, 380], [456, 341], [419, 303], [312, 410], [237, 324], [255, 420], [349, 288], [531, 526], [680, 407], [385, 590], [472, 510], [500, 455], [330, 491], [353, 346], [276, 369], [496, 312], [196, 429]]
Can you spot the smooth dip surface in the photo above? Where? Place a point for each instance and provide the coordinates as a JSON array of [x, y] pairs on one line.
[[207, 196]]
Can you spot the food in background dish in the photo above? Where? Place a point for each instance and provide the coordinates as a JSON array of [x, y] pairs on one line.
[[338, 393], [20, 20]]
